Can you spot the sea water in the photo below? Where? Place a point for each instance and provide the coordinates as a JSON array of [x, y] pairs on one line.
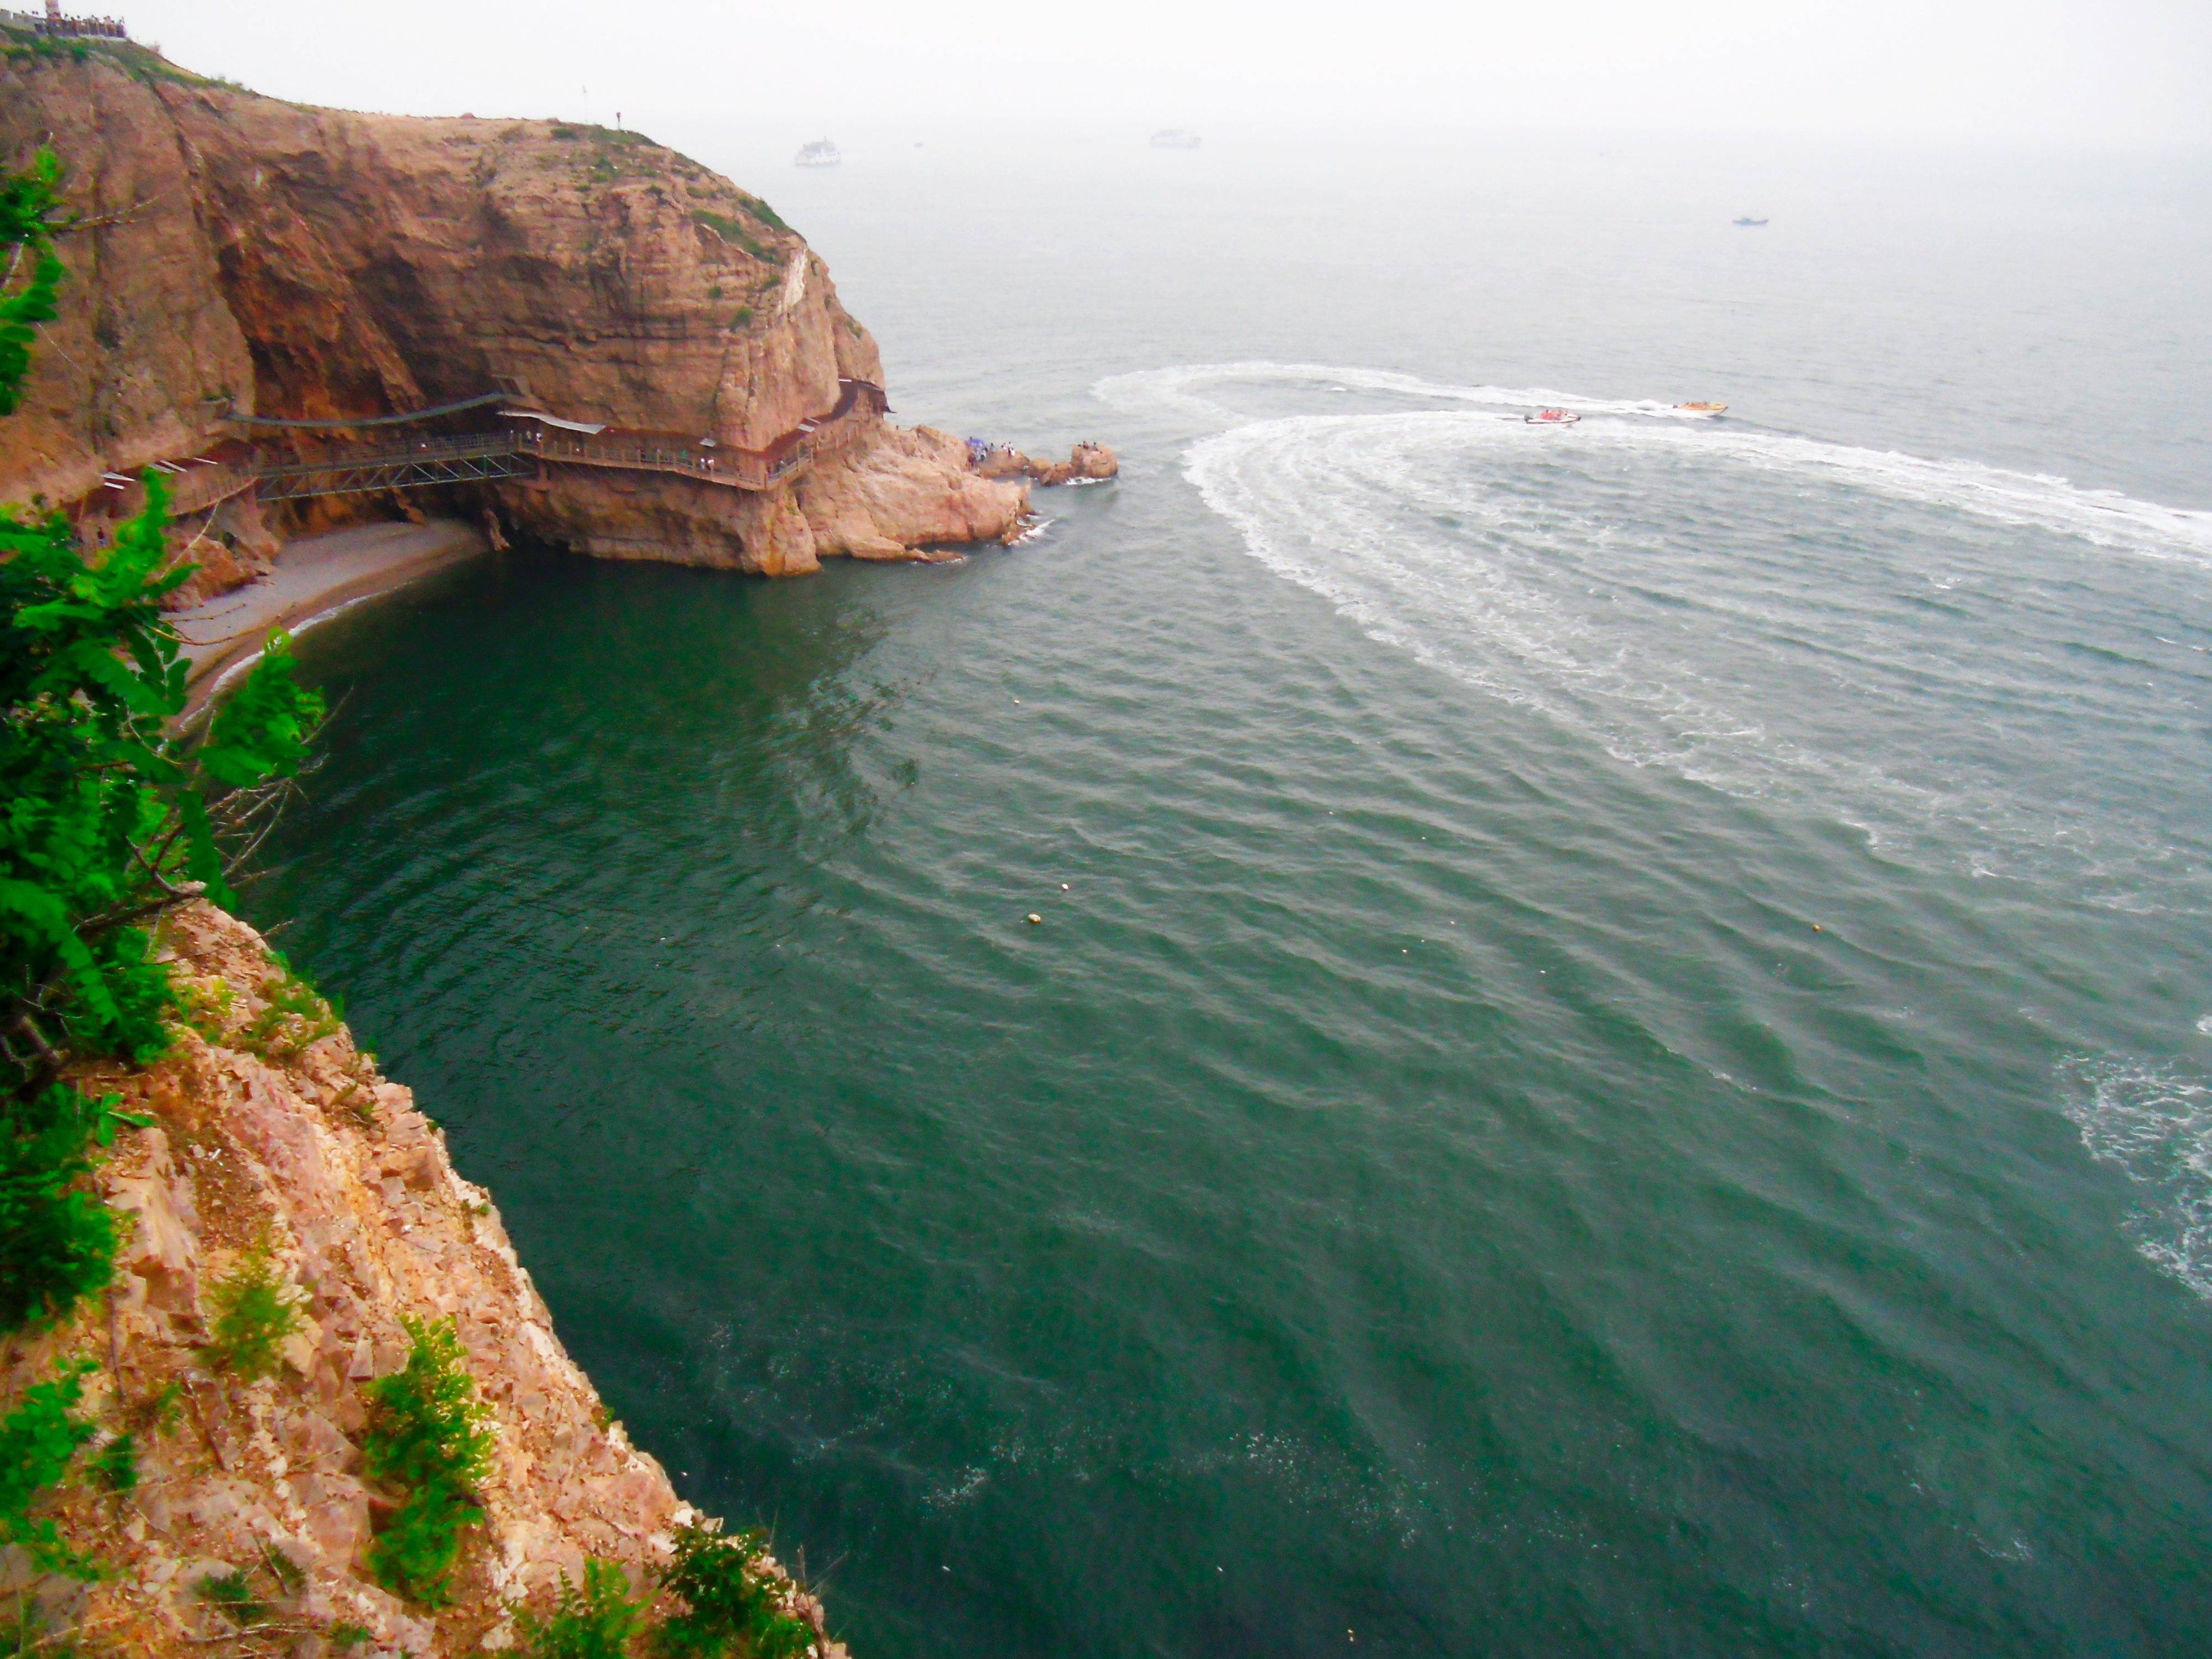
[[1619, 1055]]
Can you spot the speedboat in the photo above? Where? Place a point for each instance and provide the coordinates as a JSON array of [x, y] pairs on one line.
[[1707, 410], [819, 153], [1553, 418]]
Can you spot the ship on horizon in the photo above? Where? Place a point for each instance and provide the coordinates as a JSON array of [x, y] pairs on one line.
[[1174, 138], [821, 153], [1750, 222]]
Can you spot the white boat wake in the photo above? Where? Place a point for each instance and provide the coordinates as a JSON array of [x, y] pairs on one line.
[[2102, 517], [1935, 652]]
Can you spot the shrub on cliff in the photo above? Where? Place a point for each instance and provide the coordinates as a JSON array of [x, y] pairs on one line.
[[255, 1312], [37, 1439], [429, 1438], [597, 1621], [28, 204], [56, 1241], [108, 816], [729, 1611]]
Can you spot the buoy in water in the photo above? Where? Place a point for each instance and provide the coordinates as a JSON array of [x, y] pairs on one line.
[[1035, 919]]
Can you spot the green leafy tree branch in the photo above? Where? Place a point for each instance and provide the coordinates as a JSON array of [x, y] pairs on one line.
[[111, 813]]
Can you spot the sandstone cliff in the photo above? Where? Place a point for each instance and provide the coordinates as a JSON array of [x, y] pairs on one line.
[[308, 1151], [248, 254]]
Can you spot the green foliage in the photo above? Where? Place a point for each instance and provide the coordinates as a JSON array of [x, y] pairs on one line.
[[567, 135], [733, 232], [38, 1440], [745, 316], [27, 1632], [762, 212], [264, 728], [347, 1637], [107, 816], [730, 1611], [232, 1594], [28, 204], [294, 1015], [56, 1241], [160, 1413], [117, 1465], [205, 1008], [598, 1621], [287, 1573], [429, 1437], [255, 1310]]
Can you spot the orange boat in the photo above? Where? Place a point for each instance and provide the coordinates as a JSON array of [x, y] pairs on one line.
[[1551, 417], [1706, 410]]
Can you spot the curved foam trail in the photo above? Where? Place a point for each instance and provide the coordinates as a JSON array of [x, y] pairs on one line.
[[1570, 571], [2105, 518], [1178, 386], [2101, 517]]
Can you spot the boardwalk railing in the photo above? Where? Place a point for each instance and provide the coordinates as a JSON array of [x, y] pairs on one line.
[[858, 403], [474, 459], [733, 469], [480, 457]]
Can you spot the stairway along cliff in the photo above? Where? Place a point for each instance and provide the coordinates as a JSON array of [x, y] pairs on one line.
[[237, 255]]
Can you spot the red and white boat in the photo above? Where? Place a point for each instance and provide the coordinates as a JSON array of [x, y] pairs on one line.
[[1553, 418]]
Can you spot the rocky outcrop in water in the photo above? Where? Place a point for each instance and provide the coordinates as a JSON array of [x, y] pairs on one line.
[[1088, 463], [302, 1148], [246, 254]]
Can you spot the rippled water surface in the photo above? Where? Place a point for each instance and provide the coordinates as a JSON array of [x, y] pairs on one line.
[[1617, 1056]]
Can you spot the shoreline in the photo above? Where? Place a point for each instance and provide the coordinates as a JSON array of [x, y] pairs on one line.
[[315, 578]]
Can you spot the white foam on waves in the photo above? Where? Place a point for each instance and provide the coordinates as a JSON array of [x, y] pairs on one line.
[[2154, 1123], [1182, 387], [2105, 518], [1633, 579]]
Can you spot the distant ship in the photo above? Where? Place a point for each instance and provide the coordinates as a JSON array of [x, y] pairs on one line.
[[819, 153], [1174, 138], [1750, 223]]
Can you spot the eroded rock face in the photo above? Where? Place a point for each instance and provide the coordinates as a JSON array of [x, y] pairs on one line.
[[314, 263], [898, 494], [318, 1155]]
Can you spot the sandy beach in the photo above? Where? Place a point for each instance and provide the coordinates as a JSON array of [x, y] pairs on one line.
[[314, 575]]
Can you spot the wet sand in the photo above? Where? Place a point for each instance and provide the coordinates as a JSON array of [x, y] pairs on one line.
[[313, 574]]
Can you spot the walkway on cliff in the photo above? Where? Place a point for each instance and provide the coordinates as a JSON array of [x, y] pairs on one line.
[[534, 441], [538, 437]]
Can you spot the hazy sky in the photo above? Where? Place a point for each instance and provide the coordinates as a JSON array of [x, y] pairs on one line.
[[2066, 71]]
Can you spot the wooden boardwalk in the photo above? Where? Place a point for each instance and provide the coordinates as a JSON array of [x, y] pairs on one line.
[[534, 443]]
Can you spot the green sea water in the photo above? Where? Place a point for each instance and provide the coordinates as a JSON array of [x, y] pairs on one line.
[[1617, 1056]]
